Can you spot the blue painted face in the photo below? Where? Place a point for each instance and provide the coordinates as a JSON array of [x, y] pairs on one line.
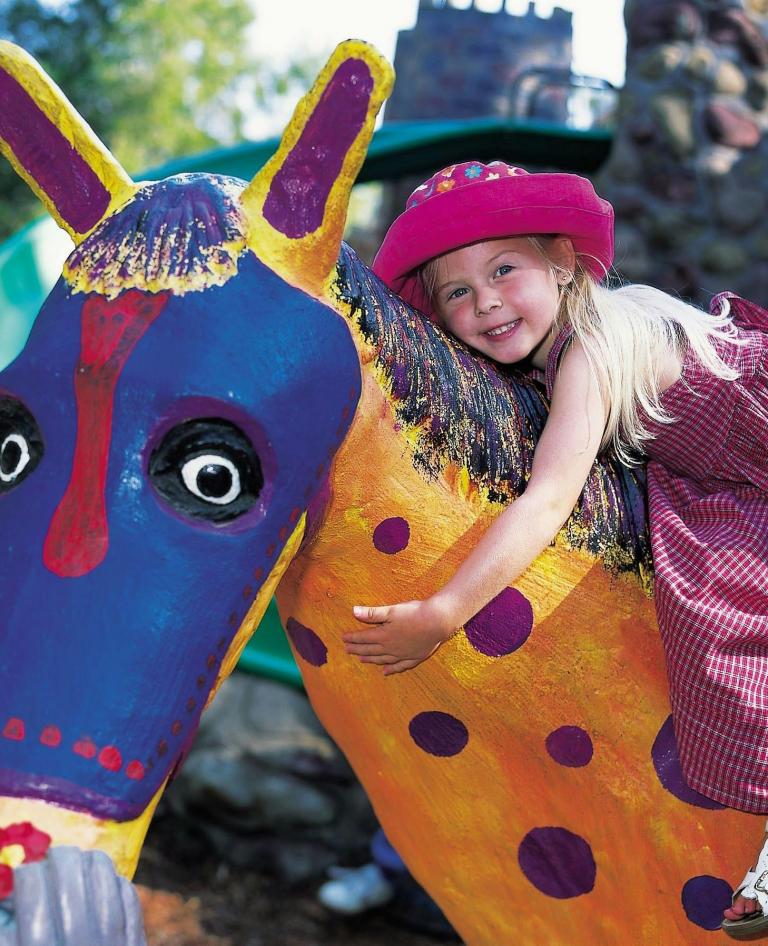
[[225, 416]]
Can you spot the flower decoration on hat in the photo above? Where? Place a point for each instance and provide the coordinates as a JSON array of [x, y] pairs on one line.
[[472, 201], [461, 175]]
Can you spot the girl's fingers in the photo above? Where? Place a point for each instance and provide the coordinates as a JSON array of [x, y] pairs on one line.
[[380, 659], [400, 666], [352, 638], [371, 615], [365, 650]]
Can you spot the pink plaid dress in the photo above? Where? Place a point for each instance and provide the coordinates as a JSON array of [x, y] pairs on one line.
[[708, 502]]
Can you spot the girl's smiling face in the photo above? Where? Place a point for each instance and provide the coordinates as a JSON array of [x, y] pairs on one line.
[[501, 296]]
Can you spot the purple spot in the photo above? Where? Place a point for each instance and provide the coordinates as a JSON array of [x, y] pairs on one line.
[[392, 535], [46, 155], [704, 898], [667, 764], [502, 625], [307, 643], [570, 745], [557, 862], [296, 201], [438, 733]]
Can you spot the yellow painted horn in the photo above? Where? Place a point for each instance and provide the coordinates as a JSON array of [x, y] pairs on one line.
[[297, 203], [53, 148]]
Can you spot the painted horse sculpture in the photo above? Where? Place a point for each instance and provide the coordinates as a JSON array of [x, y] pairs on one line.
[[219, 400]]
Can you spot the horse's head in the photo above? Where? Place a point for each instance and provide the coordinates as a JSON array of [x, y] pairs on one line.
[[180, 395]]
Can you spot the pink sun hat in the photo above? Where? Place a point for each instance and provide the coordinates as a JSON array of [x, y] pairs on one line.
[[469, 202]]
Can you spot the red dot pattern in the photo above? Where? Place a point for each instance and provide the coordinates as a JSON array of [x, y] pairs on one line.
[[109, 757], [51, 736], [14, 729], [85, 747], [135, 770]]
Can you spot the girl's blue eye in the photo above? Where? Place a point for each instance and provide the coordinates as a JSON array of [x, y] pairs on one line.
[[504, 269], [456, 293]]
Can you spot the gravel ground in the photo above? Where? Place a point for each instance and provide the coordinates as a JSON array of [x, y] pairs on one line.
[[193, 899]]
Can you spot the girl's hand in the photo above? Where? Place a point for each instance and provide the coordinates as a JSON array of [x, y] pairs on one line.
[[401, 636]]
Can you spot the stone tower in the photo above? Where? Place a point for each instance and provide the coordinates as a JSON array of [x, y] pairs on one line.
[[688, 173], [462, 63]]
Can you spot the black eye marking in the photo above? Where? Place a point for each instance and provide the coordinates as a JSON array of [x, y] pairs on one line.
[[21, 445], [207, 469]]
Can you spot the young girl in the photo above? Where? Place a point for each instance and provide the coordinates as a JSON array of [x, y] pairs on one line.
[[511, 263]]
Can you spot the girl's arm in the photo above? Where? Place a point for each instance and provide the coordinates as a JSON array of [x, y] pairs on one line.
[[402, 635]]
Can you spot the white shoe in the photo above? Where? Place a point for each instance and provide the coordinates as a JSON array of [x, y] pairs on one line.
[[354, 890], [753, 887]]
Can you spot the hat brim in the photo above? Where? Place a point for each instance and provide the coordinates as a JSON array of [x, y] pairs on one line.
[[519, 205]]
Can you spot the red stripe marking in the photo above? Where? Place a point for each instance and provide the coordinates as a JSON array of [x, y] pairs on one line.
[[78, 536]]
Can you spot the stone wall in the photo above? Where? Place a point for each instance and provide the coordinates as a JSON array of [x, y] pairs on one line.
[[688, 173]]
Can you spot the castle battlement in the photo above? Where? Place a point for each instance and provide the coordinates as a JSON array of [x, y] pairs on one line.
[[463, 62]]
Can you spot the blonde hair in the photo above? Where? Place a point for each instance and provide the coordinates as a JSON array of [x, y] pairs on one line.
[[625, 333]]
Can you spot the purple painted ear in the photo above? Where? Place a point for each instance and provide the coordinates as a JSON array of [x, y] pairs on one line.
[[53, 149], [297, 203]]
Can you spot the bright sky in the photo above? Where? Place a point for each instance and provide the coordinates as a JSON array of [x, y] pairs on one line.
[[290, 27]]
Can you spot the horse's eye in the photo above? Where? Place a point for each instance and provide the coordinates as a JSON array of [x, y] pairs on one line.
[[207, 469], [21, 446]]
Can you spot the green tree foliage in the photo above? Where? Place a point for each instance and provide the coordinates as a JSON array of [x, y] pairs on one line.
[[154, 78]]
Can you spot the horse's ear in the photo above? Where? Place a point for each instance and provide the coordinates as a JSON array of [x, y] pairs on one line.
[[53, 149], [297, 204]]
